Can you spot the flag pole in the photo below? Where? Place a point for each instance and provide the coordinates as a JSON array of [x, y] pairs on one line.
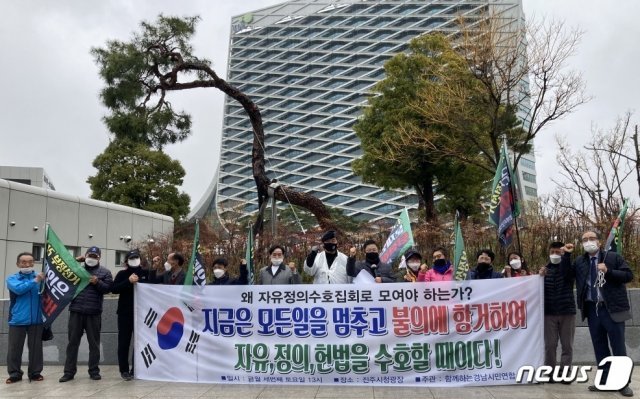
[[514, 181]]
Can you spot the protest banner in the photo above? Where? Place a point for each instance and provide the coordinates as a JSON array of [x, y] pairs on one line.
[[446, 334]]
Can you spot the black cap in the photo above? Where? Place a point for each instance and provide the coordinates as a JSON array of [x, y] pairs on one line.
[[328, 235], [93, 250], [134, 253], [411, 253]]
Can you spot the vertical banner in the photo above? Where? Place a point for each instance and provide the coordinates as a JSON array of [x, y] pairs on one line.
[[400, 239], [460, 261], [64, 277], [444, 334], [503, 207], [196, 273]]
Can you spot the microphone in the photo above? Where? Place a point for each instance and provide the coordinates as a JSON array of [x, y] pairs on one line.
[[374, 268]]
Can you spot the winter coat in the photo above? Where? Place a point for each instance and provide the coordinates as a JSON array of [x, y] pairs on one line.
[[226, 280], [89, 300], [473, 274], [432, 275], [614, 291], [283, 276], [24, 299], [122, 285], [559, 298], [355, 267], [323, 274], [166, 277]]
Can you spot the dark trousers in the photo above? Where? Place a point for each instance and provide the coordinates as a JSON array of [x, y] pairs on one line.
[[604, 333], [79, 324], [125, 331], [562, 327], [17, 335]]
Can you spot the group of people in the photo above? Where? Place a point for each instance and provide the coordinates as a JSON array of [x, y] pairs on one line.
[[605, 306]]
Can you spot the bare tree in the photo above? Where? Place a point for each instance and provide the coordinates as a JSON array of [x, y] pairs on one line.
[[593, 181], [520, 84]]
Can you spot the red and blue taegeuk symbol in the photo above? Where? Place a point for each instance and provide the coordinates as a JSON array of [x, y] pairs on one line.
[[170, 329]]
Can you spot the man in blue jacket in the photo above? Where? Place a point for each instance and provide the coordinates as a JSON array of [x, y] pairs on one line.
[[85, 316], [25, 319]]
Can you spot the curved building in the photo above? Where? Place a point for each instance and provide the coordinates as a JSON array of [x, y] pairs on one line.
[[309, 65]]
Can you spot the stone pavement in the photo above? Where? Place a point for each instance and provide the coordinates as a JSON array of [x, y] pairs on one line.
[[112, 386]]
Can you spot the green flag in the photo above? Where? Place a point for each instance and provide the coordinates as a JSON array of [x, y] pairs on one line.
[[614, 240], [249, 255], [460, 262], [195, 273], [64, 277]]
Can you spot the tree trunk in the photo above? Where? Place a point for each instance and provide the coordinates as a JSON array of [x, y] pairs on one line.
[[429, 202]]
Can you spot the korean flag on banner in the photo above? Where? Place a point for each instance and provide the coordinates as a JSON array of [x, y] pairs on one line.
[[167, 333]]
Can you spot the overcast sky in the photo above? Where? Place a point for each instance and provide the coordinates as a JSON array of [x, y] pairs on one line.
[[51, 116]]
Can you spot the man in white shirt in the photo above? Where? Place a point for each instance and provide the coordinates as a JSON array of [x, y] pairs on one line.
[[330, 265]]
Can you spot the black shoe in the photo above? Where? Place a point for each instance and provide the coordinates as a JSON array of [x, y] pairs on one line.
[[126, 376], [626, 391], [65, 378], [12, 380], [95, 377], [593, 388]]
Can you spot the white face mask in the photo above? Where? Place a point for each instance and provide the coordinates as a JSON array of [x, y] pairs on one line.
[[26, 270], [590, 247], [515, 263], [134, 262], [414, 265], [91, 262], [218, 273], [167, 266], [555, 259], [276, 261]]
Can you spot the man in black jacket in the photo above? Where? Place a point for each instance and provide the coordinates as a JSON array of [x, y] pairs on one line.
[[605, 306], [559, 306], [380, 271], [221, 276], [123, 285], [85, 316]]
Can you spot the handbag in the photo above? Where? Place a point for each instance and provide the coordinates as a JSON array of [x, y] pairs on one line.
[[47, 334]]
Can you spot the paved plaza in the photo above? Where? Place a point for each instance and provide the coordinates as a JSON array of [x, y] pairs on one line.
[[112, 386]]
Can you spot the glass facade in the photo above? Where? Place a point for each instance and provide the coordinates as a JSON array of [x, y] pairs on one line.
[[309, 65]]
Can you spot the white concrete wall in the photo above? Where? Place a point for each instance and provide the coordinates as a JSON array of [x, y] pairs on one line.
[[79, 222]]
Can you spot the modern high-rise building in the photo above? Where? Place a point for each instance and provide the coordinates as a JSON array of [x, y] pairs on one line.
[[309, 65]]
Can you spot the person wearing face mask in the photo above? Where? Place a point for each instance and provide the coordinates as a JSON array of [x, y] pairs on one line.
[[123, 285], [413, 260], [441, 270], [328, 266], [172, 272], [380, 271], [517, 267], [559, 307], [484, 266], [277, 272], [605, 307], [221, 276], [25, 320], [85, 316]]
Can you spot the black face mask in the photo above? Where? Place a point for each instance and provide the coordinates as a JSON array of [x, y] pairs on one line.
[[372, 257], [440, 262], [330, 247], [483, 267]]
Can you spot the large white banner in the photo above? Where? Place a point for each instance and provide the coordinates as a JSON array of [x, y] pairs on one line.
[[407, 334]]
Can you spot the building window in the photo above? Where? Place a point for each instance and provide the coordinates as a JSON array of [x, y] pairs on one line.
[[530, 191], [120, 257], [529, 177], [37, 250], [527, 163]]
